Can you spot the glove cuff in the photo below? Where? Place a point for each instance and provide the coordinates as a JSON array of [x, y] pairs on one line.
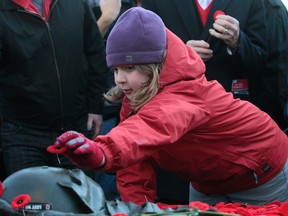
[[99, 157]]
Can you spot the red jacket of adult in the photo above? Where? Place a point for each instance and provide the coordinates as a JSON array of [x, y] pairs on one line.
[[196, 129]]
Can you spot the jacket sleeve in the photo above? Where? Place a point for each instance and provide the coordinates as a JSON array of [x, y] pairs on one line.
[[159, 123], [252, 40], [137, 183], [96, 60]]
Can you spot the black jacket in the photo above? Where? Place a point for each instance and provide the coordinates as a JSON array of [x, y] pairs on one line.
[[50, 71], [275, 76], [182, 18]]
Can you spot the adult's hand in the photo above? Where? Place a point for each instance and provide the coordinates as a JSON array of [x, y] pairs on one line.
[[110, 10], [96, 121], [202, 48], [227, 29]]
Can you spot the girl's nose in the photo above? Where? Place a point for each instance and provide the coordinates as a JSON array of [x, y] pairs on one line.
[[120, 77]]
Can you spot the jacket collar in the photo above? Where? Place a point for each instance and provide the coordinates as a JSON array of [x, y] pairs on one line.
[[29, 6], [23, 3]]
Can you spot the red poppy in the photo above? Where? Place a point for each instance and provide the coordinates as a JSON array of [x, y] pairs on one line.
[[284, 208], [56, 149], [217, 13], [1, 189], [164, 205], [20, 201], [200, 205]]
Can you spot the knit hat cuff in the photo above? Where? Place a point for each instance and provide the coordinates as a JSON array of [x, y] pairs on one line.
[[142, 57]]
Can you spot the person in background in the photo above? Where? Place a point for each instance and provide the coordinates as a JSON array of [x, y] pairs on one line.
[[108, 11], [233, 47], [52, 63], [275, 76], [174, 118]]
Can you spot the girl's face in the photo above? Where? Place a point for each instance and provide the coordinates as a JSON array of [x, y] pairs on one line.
[[129, 79]]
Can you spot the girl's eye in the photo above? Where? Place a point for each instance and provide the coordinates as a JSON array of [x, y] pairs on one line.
[[114, 70], [130, 68]]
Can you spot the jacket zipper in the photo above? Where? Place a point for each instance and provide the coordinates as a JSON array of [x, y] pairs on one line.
[[54, 57]]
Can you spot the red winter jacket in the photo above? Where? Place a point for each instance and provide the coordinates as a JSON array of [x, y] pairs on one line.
[[196, 129]]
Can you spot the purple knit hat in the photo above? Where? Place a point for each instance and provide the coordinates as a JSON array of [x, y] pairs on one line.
[[138, 37]]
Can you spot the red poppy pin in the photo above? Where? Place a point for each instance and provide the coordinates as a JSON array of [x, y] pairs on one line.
[[217, 13]]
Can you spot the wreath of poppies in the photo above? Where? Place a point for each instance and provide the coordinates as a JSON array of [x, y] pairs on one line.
[[271, 209]]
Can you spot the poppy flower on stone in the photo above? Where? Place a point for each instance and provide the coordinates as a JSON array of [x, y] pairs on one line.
[[20, 201]]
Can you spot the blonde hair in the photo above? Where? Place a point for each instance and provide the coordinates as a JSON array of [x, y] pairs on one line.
[[148, 90]]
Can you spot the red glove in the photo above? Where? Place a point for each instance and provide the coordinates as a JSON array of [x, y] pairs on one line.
[[83, 152]]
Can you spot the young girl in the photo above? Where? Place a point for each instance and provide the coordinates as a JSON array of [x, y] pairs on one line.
[[172, 117]]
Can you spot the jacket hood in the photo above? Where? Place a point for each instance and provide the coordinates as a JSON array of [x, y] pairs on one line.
[[181, 62]]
